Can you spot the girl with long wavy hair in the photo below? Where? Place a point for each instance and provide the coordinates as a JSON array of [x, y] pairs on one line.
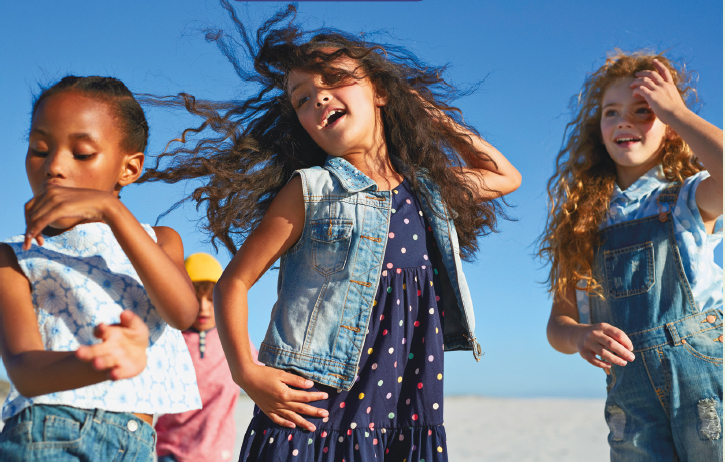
[[635, 214], [350, 168]]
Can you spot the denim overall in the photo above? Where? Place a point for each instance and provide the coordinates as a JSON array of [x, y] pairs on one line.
[[666, 405]]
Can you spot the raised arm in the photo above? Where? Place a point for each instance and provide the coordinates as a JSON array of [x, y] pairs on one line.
[[492, 173], [122, 354], [488, 172], [704, 138], [159, 266], [270, 388]]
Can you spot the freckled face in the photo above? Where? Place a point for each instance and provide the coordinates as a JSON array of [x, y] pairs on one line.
[[342, 120], [631, 132], [74, 142]]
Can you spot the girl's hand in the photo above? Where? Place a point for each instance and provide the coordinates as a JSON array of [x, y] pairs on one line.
[[603, 345], [123, 350], [62, 203], [660, 92], [270, 389]]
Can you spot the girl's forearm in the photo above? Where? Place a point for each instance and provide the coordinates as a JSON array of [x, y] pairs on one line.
[[41, 372], [563, 333], [168, 286], [492, 171], [231, 309], [704, 138]]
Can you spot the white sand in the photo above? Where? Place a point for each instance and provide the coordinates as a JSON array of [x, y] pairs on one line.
[[515, 430]]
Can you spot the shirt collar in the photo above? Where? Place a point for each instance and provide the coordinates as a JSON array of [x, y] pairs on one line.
[[352, 179], [644, 185]]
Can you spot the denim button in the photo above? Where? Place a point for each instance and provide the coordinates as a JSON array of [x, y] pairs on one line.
[[132, 425], [710, 319]]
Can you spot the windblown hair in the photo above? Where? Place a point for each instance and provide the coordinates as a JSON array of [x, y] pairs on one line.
[[585, 175], [126, 110], [258, 143]]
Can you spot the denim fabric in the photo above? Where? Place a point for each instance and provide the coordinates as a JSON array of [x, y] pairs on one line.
[[167, 458], [329, 278], [667, 404], [62, 433]]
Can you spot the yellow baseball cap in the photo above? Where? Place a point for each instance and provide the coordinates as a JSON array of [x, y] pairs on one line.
[[203, 267]]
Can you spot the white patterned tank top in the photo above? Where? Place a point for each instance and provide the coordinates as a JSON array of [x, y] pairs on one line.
[[79, 279]]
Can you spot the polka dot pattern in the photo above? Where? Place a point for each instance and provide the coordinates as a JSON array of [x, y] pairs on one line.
[[394, 411]]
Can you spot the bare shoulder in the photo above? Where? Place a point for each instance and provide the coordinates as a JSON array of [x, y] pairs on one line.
[[166, 235], [169, 240], [291, 193]]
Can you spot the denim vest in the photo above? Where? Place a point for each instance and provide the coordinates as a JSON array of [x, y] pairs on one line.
[[329, 278]]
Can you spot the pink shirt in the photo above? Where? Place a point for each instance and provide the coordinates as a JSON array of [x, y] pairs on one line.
[[206, 434]]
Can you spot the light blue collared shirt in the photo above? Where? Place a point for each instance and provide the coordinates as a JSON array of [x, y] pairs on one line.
[[696, 246]]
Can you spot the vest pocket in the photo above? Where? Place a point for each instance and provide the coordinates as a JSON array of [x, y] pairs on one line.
[[630, 270], [330, 244]]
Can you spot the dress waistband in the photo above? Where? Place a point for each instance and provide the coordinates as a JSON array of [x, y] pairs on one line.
[[676, 332]]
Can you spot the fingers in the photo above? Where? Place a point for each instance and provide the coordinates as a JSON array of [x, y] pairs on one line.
[[306, 409], [620, 337], [663, 71], [282, 422], [296, 381], [305, 397], [134, 323], [98, 355], [295, 420], [605, 345], [101, 331]]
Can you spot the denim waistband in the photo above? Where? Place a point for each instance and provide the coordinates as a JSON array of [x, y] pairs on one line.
[[134, 426], [675, 332]]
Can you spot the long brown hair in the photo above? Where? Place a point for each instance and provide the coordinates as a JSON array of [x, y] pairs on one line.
[[585, 175], [247, 150]]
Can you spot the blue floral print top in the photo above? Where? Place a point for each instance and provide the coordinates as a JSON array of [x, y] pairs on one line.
[[79, 279]]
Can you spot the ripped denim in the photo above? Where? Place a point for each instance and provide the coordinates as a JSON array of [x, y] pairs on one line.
[[666, 405]]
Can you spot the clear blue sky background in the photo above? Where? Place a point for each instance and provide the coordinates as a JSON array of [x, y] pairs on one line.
[[533, 55]]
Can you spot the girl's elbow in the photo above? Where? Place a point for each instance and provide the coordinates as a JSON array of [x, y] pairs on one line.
[[185, 318], [514, 180], [23, 383]]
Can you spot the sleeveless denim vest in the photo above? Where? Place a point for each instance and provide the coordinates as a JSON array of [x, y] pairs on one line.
[[329, 278]]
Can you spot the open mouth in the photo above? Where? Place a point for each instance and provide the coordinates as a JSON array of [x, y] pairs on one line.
[[628, 139], [332, 117]]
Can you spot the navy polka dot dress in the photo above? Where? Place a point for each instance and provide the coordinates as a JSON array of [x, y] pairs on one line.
[[394, 411]]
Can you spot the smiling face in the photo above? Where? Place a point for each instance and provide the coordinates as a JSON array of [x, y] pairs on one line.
[[342, 119], [74, 142], [631, 132]]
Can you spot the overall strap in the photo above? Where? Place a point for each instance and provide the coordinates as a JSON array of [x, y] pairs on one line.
[[667, 199]]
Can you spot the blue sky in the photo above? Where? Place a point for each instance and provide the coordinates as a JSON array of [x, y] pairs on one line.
[[533, 56]]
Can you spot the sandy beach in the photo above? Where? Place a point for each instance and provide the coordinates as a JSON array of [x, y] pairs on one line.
[[483, 429]]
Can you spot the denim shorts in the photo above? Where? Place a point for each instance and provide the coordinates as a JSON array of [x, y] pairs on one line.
[[53, 433]]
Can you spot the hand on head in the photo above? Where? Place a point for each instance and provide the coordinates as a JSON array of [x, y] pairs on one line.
[[658, 89], [122, 351]]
